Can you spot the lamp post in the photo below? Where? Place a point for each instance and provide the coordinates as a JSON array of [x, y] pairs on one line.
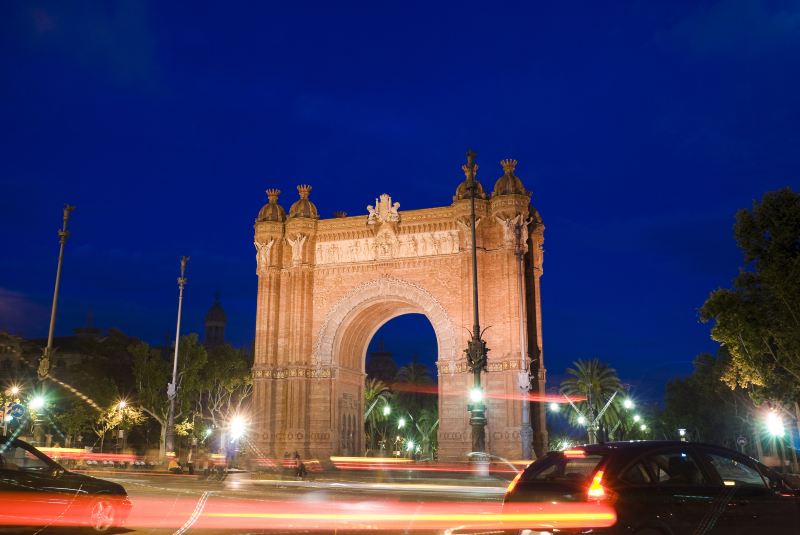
[[476, 348], [63, 234], [171, 387]]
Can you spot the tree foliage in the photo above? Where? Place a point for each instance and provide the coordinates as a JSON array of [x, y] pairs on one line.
[[758, 320], [704, 406], [597, 382]]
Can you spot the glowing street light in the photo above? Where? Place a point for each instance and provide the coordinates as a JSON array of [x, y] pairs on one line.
[[14, 390], [410, 446], [775, 424], [582, 420], [238, 426], [636, 417], [208, 432], [387, 410], [555, 407], [37, 403], [643, 427], [122, 404], [476, 395], [628, 403], [401, 423]]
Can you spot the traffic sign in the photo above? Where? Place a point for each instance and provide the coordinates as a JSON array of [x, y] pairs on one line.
[[16, 410]]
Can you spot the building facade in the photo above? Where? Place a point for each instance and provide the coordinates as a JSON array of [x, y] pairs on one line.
[[325, 286]]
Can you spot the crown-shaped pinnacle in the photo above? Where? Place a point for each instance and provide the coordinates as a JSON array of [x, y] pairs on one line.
[[509, 166], [273, 194], [304, 190], [470, 172]]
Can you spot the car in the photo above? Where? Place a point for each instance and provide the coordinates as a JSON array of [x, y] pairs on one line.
[[662, 488], [36, 490]]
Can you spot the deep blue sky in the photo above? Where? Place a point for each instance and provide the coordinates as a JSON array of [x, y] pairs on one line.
[[640, 128]]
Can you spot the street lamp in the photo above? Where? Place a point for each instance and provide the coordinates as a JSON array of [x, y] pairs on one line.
[[636, 417], [63, 234], [36, 403], [643, 427], [14, 390], [775, 424], [682, 434], [171, 387], [554, 407], [387, 410], [476, 347], [238, 427], [401, 423], [582, 419], [628, 403]]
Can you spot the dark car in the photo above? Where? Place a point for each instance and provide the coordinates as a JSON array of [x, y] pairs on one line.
[[663, 488], [35, 490]]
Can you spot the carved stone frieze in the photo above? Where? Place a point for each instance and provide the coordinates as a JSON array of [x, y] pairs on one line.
[[386, 245], [289, 372]]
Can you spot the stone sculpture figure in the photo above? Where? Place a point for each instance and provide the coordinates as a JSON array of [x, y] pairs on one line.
[[297, 248], [262, 255]]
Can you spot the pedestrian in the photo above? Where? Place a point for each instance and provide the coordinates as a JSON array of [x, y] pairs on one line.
[[300, 468], [190, 461]]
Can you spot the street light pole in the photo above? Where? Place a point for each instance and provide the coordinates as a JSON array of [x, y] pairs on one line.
[[63, 234], [476, 348], [171, 387]]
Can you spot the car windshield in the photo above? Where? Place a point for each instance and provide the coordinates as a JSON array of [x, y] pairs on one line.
[[571, 467]]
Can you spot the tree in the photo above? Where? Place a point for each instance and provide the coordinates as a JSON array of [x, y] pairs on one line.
[[704, 406], [413, 389], [597, 382], [225, 384], [376, 396], [758, 320], [152, 373]]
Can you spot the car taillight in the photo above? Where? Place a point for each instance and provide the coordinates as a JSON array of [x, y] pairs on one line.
[[513, 484], [596, 490]]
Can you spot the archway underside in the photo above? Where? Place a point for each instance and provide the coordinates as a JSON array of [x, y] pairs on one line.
[[361, 326]]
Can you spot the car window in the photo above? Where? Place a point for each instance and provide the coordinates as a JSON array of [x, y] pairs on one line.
[[564, 467], [636, 475], [673, 468], [17, 458], [733, 472]]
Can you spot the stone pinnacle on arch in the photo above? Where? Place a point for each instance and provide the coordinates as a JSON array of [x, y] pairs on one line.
[[509, 183], [272, 211], [304, 207], [470, 171]]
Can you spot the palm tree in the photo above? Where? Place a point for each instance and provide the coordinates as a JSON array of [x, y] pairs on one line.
[[426, 425], [412, 395], [376, 396], [597, 382]]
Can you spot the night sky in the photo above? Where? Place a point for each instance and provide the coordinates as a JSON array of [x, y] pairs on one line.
[[640, 128]]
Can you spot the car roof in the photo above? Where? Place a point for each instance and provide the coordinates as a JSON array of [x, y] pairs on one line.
[[638, 445]]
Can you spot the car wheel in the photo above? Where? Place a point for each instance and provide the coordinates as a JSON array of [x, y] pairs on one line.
[[102, 515]]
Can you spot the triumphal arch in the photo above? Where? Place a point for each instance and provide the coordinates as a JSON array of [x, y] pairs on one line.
[[325, 286]]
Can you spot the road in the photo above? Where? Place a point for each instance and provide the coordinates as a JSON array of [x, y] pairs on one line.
[[329, 503]]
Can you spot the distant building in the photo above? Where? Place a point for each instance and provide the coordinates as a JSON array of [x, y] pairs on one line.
[[381, 365], [214, 334]]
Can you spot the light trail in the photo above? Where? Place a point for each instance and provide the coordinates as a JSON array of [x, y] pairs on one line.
[[213, 512]]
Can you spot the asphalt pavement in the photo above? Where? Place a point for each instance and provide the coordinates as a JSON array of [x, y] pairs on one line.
[[324, 502]]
